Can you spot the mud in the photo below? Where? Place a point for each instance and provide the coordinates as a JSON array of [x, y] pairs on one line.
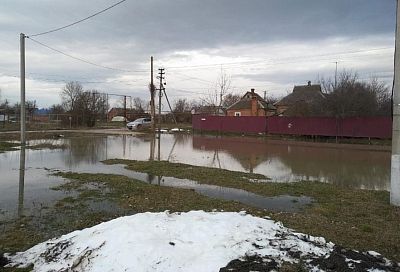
[[340, 260]]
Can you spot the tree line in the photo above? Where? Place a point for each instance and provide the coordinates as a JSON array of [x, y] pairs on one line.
[[349, 96]]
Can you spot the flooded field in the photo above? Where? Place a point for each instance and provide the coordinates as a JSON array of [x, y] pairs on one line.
[[26, 189]]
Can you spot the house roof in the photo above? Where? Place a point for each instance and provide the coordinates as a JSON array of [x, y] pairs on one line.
[[245, 102], [304, 93]]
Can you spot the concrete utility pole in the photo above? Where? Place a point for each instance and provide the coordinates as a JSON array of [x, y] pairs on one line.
[[125, 108], [395, 173], [22, 80], [161, 77], [152, 91]]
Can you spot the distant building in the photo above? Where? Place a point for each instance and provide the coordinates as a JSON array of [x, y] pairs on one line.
[[210, 110], [301, 102], [131, 114], [251, 104]]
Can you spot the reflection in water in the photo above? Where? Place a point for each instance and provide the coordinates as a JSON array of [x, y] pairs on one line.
[[281, 161], [88, 150], [284, 203], [21, 186], [159, 145], [152, 146], [291, 161]]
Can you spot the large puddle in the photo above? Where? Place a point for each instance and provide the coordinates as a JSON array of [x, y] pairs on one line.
[[26, 190]]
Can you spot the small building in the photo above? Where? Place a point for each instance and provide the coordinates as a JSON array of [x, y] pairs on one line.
[[131, 114], [209, 110], [251, 104], [305, 100]]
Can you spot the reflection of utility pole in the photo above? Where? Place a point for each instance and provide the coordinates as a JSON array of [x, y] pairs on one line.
[[123, 146], [216, 156], [21, 181], [159, 145], [152, 146], [395, 174]]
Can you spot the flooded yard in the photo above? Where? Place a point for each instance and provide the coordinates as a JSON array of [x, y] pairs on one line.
[[28, 188], [55, 186]]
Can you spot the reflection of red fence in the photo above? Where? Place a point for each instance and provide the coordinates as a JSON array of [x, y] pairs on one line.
[[374, 127]]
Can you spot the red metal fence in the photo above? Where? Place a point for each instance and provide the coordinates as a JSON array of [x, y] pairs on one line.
[[374, 127]]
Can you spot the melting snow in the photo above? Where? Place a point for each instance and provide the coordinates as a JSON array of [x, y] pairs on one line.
[[192, 241]]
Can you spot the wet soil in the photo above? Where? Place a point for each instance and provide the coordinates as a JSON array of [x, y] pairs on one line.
[[340, 260]]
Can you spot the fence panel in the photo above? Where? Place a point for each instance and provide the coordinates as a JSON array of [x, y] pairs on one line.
[[374, 127]]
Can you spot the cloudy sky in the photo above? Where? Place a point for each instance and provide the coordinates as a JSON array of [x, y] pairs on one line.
[[269, 45]]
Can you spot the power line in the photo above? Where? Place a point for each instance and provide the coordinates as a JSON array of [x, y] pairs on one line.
[[205, 66], [79, 59], [79, 21]]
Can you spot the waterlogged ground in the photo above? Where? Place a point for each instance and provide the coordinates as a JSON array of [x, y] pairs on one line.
[[30, 206], [279, 161]]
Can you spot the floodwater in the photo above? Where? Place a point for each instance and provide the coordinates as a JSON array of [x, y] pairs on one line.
[[24, 189]]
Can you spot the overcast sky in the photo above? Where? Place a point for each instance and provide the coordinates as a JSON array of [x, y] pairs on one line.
[[269, 45]]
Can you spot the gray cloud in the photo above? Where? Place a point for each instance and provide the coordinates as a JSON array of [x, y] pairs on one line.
[[127, 35]]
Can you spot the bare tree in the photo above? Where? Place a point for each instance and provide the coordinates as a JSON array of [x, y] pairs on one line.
[[57, 109], [70, 94], [139, 104], [353, 97], [181, 105], [223, 85], [230, 99], [215, 97], [270, 99]]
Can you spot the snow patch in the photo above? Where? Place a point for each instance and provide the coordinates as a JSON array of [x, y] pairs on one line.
[[192, 241]]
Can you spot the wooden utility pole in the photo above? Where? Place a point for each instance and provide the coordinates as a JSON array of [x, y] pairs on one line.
[[22, 82], [395, 173], [152, 92]]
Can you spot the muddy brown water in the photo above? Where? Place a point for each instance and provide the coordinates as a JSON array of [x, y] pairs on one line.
[[25, 190]]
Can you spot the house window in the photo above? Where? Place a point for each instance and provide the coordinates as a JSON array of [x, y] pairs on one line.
[[237, 113]]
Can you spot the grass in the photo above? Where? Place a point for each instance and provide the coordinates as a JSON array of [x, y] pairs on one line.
[[94, 198], [360, 219], [206, 175], [47, 146], [6, 146]]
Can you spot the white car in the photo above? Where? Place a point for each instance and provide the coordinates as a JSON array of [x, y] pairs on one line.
[[139, 123]]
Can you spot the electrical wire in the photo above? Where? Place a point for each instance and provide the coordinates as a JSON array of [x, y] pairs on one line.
[[80, 59], [250, 62], [79, 21]]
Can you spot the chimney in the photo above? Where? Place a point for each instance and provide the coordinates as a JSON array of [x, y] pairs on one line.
[[254, 104], [309, 83]]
